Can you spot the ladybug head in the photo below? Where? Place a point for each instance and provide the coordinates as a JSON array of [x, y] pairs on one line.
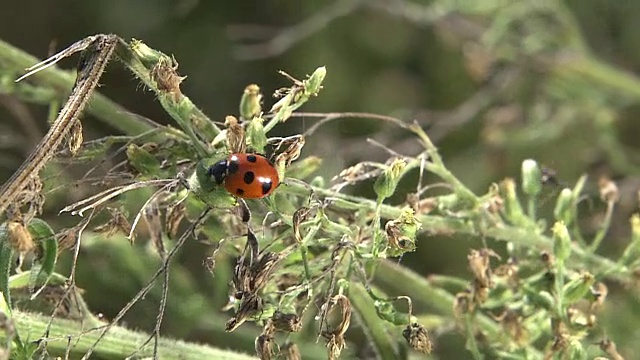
[[218, 171]]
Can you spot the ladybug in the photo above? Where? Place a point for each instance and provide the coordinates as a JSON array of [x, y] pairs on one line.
[[249, 176]]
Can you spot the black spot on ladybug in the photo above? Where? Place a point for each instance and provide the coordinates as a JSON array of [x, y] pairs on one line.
[[239, 192], [232, 167], [266, 187], [249, 176], [252, 158]]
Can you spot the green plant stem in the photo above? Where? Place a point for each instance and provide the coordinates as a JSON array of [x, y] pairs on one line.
[[531, 207], [587, 68], [604, 227], [395, 277], [178, 106], [118, 344], [384, 343], [602, 266], [54, 84]]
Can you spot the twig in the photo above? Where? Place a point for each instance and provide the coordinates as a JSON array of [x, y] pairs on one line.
[[163, 268], [292, 35]]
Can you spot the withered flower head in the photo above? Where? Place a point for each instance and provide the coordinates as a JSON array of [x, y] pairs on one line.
[[235, 135], [509, 271], [599, 292], [480, 292], [547, 259], [249, 306], [292, 151], [512, 323], [402, 232], [151, 215], [608, 190], [166, 77], [335, 336], [263, 268], [264, 347], [19, 237], [290, 351], [173, 218], [609, 347], [418, 338], [421, 206], [463, 304], [479, 263], [286, 322], [495, 204], [118, 222]]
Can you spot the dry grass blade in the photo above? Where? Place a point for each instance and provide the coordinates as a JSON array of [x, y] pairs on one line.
[[94, 201], [163, 268]]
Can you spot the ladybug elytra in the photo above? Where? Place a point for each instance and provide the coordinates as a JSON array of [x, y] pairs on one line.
[[249, 176]]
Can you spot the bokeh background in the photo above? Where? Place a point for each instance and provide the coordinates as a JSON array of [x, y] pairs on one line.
[[482, 81]]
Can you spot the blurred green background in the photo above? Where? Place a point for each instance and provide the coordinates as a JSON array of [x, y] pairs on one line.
[[447, 69]]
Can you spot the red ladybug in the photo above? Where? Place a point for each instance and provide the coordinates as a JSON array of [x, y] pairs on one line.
[[249, 176]]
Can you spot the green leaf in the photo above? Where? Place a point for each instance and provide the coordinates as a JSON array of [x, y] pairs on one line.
[[143, 161], [45, 265], [6, 254]]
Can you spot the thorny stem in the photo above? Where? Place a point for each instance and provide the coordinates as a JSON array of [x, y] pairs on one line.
[[180, 107], [89, 73], [53, 84]]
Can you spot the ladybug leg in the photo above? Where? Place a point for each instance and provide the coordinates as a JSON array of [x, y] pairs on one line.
[[243, 211], [289, 181]]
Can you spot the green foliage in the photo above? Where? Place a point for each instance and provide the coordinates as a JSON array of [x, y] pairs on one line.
[[536, 281]]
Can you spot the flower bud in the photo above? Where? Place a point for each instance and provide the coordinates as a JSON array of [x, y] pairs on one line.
[[512, 208], [314, 83], [386, 183], [250, 103], [147, 55], [564, 206], [576, 289], [633, 249], [531, 178], [256, 135], [561, 243]]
